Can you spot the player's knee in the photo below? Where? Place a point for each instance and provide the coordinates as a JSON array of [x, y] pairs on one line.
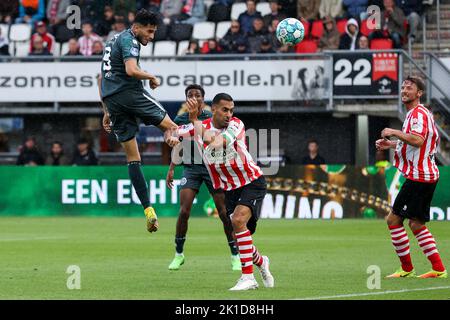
[[238, 220], [184, 213], [415, 225], [392, 219]]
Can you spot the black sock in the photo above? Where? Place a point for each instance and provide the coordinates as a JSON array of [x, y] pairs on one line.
[[179, 244], [139, 184], [233, 248]]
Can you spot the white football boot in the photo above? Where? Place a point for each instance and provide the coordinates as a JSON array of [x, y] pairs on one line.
[[266, 276], [245, 283]]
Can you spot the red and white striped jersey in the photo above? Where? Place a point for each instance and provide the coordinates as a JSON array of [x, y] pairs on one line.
[[418, 163], [232, 167]]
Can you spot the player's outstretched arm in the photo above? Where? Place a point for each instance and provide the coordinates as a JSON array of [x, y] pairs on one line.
[[106, 122], [411, 139], [132, 69]]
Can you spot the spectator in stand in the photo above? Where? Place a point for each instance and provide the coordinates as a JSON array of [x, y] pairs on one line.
[[97, 48], [86, 41], [227, 3], [274, 14], [330, 8], [149, 5], [331, 36], [363, 43], [192, 47], [4, 144], [257, 34], [122, 7], [84, 155], [56, 156], [308, 9], [131, 17], [242, 46], [266, 46], [39, 49], [74, 49], [228, 42], [392, 24], [213, 47], [170, 8], [41, 31], [118, 27], [8, 11], [413, 10], [194, 11], [31, 11], [349, 40], [29, 154], [56, 13], [246, 18], [313, 156], [355, 9], [104, 25], [288, 7], [4, 45]]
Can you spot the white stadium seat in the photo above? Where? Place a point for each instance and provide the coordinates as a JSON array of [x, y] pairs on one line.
[[20, 32], [222, 29], [236, 9], [182, 47], [22, 49], [204, 30], [56, 50], [147, 51], [165, 48], [64, 48], [5, 29], [264, 8]]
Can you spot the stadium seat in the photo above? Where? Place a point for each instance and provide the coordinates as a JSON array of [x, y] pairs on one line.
[[147, 51], [307, 26], [317, 29], [162, 32], [165, 48], [381, 44], [20, 32], [180, 31], [264, 8], [222, 28], [306, 46], [5, 30], [218, 12], [56, 50], [182, 47], [204, 30], [236, 9], [341, 24], [364, 29], [64, 48], [22, 49]]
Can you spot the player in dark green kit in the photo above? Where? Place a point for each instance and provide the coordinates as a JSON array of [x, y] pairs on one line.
[[125, 100], [194, 174]]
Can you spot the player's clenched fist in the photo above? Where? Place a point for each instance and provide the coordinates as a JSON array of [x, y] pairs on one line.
[[154, 82]]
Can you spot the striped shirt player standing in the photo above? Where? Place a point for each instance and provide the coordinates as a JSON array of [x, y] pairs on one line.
[[414, 157], [231, 167]]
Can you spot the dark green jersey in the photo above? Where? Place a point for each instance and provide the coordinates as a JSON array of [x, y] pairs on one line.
[[194, 156], [119, 49]]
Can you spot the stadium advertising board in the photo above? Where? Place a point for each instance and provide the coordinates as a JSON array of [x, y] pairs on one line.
[[296, 192], [257, 80], [365, 74]]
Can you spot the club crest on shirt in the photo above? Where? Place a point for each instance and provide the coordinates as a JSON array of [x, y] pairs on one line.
[[134, 52]]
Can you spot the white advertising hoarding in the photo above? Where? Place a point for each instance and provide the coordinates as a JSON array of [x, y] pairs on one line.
[[245, 80]]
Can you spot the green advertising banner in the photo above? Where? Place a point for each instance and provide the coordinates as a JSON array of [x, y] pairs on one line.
[[296, 192]]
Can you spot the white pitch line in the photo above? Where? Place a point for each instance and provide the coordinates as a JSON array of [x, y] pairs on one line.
[[372, 293]]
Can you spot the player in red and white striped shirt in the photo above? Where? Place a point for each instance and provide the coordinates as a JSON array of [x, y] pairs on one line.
[[222, 142], [414, 157]]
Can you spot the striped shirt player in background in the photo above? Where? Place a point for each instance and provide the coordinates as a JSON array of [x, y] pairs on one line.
[[221, 140], [414, 157]]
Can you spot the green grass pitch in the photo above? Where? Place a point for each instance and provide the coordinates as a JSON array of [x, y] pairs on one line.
[[120, 260]]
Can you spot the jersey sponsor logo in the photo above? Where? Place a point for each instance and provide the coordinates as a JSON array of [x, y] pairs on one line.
[[134, 52], [220, 156]]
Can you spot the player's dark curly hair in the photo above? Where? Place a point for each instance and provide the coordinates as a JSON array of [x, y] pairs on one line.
[[194, 87], [221, 96], [146, 18], [418, 81]]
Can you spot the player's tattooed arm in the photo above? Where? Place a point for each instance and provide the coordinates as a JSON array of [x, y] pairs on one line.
[[132, 69], [411, 139]]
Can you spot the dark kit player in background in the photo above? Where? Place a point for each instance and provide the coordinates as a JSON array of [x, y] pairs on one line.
[[125, 100], [414, 156]]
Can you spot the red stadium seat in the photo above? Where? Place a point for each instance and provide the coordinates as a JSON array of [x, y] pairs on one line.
[[364, 29], [317, 29], [341, 24], [381, 44], [306, 46], [307, 26]]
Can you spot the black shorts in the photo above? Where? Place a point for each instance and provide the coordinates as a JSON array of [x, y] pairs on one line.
[[250, 195], [193, 177], [126, 107], [414, 200]]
